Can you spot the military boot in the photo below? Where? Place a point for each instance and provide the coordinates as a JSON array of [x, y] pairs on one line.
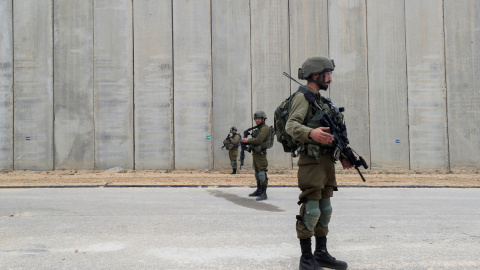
[[256, 192], [234, 171], [323, 258], [263, 194], [307, 261]]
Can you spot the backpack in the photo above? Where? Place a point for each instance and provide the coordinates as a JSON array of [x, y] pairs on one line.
[[268, 143], [280, 119]]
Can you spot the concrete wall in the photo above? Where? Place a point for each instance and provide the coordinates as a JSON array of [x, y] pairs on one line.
[[6, 85], [157, 84]]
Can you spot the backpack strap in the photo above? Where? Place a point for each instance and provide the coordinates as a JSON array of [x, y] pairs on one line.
[[308, 95]]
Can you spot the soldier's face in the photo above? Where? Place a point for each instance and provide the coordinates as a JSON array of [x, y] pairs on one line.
[[328, 77], [258, 121], [234, 131]]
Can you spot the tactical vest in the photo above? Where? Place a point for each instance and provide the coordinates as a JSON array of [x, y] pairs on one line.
[[313, 119], [229, 145], [263, 146]]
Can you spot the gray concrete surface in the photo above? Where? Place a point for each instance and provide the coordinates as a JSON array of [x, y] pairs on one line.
[[222, 228], [151, 84]]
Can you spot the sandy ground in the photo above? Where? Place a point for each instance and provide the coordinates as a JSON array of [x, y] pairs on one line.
[[463, 177]]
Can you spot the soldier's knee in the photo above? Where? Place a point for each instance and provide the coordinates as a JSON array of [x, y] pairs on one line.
[[312, 214], [262, 176], [326, 211]]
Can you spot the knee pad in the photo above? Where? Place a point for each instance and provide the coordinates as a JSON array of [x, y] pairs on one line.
[[326, 211], [233, 163], [262, 176], [256, 177], [312, 214]]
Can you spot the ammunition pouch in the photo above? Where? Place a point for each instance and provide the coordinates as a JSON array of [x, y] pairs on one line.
[[315, 150], [228, 144], [259, 148]]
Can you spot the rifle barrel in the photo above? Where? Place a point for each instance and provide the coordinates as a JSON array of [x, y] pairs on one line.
[[361, 175]]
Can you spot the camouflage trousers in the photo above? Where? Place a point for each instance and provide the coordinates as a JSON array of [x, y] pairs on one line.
[[233, 153]]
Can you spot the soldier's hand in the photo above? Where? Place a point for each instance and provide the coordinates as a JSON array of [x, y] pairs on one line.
[[245, 140], [319, 135], [346, 163]]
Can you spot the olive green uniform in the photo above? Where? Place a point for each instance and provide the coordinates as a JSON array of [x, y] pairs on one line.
[[260, 162], [316, 170], [233, 151]]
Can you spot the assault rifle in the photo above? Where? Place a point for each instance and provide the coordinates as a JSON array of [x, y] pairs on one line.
[[340, 141], [228, 138], [245, 147]]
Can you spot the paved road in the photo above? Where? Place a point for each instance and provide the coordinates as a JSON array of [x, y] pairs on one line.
[[222, 228]]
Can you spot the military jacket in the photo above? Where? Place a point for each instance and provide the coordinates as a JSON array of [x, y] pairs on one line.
[[235, 140], [259, 135]]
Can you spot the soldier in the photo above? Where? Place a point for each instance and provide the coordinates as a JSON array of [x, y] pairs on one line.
[[259, 154], [316, 171], [231, 143]]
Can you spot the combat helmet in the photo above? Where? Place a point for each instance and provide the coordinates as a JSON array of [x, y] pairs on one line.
[[233, 128], [315, 65], [260, 114]]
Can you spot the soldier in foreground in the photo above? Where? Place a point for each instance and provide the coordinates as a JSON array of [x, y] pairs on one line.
[[316, 171], [259, 153], [231, 143]]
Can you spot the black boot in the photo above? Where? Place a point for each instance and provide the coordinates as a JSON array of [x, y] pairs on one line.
[[263, 194], [323, 258], [307, 261], [256, 192], [234, 171]]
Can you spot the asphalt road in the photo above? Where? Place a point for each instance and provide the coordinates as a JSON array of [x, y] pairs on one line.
[[223, 228]]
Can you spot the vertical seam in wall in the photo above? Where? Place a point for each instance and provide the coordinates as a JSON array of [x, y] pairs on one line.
[[13, 90], [446, 89], [53, 84], [406, 77], [368, 86], [133, 85], [172, 96], [289, 46], [93, 86], [210, 122], [251, 65], [328, 42], [289, 158]]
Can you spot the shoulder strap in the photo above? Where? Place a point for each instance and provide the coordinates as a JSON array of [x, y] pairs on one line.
[[308, 95]]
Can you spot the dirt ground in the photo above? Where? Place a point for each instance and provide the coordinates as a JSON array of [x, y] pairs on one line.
[[463, 177]]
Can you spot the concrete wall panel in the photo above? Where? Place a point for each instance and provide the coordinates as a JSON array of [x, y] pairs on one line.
[[270, 58], [306, 17], [73, 84], [193, 84], [33, 82], [153, 66], [348, 48], [426, 84], [231, 74], [387, 84], [462, 41], [308, 34], [113, 84], [6, 85]]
